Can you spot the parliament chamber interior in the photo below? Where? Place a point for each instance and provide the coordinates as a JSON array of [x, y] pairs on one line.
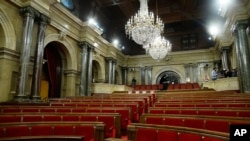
[[124, 70]]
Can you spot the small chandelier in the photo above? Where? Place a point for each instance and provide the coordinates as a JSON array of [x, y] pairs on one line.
[[143, 28], [159, 48]]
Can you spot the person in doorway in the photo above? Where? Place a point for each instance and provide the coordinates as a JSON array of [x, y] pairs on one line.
[[133, 82], [214, 74]]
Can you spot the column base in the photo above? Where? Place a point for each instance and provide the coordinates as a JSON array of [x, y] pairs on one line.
[[36, 99], [21, 99]]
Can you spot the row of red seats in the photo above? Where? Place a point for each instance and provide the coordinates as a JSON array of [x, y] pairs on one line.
[[243, 105], [184, 86], [112, 121], [91, 131], [200, 112], [151, 132], [148, 87], [214, 123]]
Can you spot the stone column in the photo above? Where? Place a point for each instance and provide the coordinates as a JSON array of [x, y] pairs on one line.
[[187, 72], [142, 75], [38, 65], [113, 71], [195, 73], [110, 60], [29, 16], [125, 75], [243, 54], [149, 75], [89, 73], [70, 88], [224, 58], [83, 75]]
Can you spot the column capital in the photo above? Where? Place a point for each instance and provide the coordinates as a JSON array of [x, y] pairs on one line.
[[109, 59], [85, 44], [124, 68], [225, 48], [43, 19], [29, 11], [149, 67], [244, 23]]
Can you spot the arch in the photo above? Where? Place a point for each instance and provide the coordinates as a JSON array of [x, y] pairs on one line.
[[155, 79], [96, 71], [9, 36], [101, 70], [68, 51], [168, 77]]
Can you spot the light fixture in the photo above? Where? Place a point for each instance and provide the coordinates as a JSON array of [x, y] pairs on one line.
[[159, 48], [143, 27]]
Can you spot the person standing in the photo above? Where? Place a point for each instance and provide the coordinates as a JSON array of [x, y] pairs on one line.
[[133, 82], [214, 74]]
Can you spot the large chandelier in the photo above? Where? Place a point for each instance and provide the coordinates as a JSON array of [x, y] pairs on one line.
[[143, 28], [159, 48]]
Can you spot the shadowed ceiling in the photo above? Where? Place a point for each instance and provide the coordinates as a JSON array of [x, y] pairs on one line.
[[186, 21]]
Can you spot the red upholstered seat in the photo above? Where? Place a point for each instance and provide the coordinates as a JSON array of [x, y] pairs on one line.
[[207, 112], [109, 121], [16, 131], [63, 110], [155, 120], [63, 130], [86, 131], [244, 114], [30, 110], [156, 111], [10, 118], [144, 134], [164, 135], [52, 118], [189, 112], [32, 118], [189, 137], [88, 118], [11, 110], [71, 118], [227, 113], [47, 110], [160, 86], [41, 130], [194, 123], [174, 121], [217, 125]]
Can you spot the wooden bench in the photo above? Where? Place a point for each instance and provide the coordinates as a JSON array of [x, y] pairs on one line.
[[135, 109], [91, 131], [45, 138], [150, 132], [112, 121], [203, 104], [215, 123], [207, 112]]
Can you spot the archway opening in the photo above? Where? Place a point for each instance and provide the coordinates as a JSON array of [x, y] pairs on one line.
[[168, 77], [52, 68]]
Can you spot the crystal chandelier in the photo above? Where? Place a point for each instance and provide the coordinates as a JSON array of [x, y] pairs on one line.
[[159, 48], [143, 28]]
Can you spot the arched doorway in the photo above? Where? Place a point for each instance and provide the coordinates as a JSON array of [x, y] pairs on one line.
[[52, 69], [168, 77], [96, 72]]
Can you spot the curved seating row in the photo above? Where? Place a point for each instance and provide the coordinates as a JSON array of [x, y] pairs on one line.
[[208, 112], [150, 132], [214, 123], [91, 131], [112, 121]]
